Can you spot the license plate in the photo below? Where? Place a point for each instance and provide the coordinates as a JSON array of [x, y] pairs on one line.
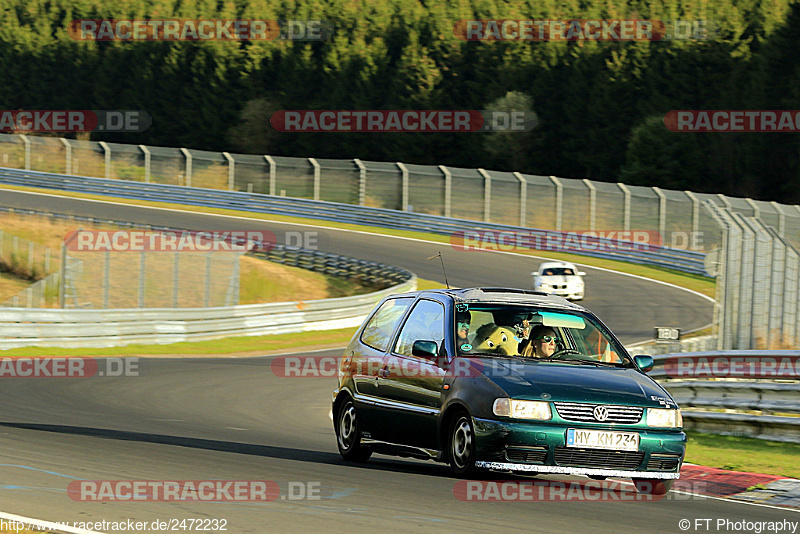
[[601, 439]]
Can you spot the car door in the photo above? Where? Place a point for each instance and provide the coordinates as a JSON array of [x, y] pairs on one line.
[[411, 386], [364, 360]]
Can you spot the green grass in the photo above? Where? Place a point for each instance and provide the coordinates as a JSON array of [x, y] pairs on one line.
[[697, 283], [744, 454]]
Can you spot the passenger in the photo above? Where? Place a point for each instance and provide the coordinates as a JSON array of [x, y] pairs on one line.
[[462, 328], [542, 343]]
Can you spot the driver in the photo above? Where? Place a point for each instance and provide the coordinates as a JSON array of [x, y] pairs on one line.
[[543, 342]]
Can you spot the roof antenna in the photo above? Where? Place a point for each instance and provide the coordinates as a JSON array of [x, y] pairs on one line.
[[439, 255]]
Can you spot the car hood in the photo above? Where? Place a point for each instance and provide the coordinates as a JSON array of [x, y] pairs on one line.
[[571, 382]]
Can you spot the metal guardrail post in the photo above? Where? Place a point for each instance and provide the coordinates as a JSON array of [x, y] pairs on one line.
[[523, 197], [662, 214], [403, 185], [626, 210], [68, 152], [743, 265], [62, 286], [313, 162], [777, 294], [188, 172], [448, 189], [106, 159], [781, 218], [592, 204], [362, 182], [559, 201], [106, 277], [752, 204], [146, 153], [487, 195], [231, 167], [27, 151], [272, 174]]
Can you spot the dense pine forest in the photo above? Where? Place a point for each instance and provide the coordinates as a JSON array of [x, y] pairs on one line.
[[600, 104]]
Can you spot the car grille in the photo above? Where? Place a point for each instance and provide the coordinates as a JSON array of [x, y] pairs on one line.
[[663, 463], [598, 458], [584, 413], [530, 455]]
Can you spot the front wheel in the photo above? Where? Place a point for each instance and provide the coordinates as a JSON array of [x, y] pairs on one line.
[[348, 434], [650, 486], [461, 446]]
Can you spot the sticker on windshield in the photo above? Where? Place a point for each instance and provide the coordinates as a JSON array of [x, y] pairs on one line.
[[562, 319], [466, 347]]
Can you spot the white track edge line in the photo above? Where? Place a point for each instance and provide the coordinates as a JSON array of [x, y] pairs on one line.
[[49, 525]]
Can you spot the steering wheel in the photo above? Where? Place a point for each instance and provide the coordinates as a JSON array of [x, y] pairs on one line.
[[562, 352]]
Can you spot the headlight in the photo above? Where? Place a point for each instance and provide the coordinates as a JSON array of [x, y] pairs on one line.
[[522, 409], [664, 418], [544, 286]]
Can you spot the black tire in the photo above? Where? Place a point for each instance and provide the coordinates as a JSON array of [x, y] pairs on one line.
[[651, 486], [461, 445], [348, 434]]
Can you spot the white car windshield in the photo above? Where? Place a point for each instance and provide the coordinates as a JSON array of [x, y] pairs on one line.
[[558, 271]]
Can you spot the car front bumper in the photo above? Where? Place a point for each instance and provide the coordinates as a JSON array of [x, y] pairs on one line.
[[541, 448]]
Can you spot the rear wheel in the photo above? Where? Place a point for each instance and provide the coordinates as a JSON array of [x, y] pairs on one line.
[[461, 445], [348, 434], [651, 486]]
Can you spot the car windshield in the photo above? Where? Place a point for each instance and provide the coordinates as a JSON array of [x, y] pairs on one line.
[[533, 332], [558, 271]]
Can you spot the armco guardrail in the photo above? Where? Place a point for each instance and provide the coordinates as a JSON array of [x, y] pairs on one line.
[[112, 328], [684, 260], [715, 389]]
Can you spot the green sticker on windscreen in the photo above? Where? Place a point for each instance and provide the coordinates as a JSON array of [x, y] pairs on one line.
[[466, 347], [563, 320]]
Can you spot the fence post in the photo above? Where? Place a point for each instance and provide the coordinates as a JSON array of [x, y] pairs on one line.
[[592, 204], [62, 286], [626, 211], [27, 151], [662, 214], [146, 152], [559, 201], [106, 159], [523, 197], [781, 218], [404, 185], [231, 166], [106, 278], [68, 153], [30, 257], [448, 189], [176, 280], [142, 279], [362, 182], [313, 162], [188, 156], [695, 211], [487, 195], [725, 201], [272, 171], [752, 204], [207, 293]]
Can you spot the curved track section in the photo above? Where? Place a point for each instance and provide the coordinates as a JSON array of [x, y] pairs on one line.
[[630, 306], [237, 419]]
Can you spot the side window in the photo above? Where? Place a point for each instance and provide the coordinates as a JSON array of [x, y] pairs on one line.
[[426, 321], [378, 332]]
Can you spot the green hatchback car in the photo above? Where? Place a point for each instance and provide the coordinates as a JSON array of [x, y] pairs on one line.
[[508, 380]]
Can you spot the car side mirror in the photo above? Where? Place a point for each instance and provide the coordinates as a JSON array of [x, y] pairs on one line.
[[644, 362], [425, 349], [581, 273]]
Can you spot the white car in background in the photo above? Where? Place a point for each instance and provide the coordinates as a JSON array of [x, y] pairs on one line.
[[559, 278]]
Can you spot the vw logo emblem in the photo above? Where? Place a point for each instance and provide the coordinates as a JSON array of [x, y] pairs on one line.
[[600, 413]]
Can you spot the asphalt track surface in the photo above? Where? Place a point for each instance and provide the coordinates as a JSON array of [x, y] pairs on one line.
[[236, 419]]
